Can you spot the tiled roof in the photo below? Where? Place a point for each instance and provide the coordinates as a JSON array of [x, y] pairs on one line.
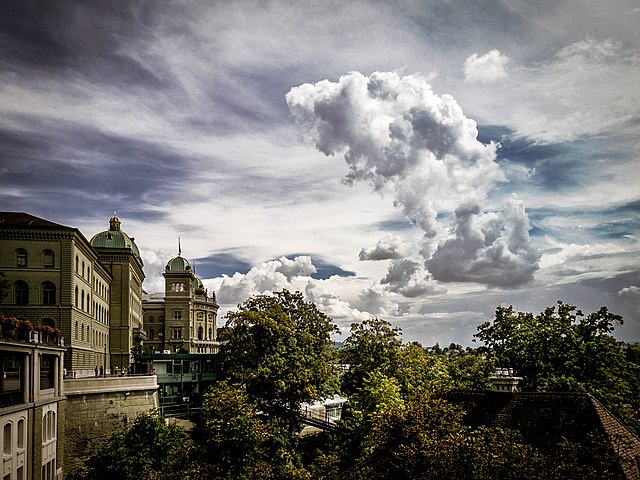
[[20, 219]]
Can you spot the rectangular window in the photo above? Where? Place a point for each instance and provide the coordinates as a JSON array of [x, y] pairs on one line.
[[48, 259], [46, 371], [21, 258], [177, 332], [10, 378], [177, 314], [49, 470]]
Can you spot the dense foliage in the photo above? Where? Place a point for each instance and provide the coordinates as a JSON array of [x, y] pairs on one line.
[[395, 425], [563, 350], [278, 347], [141, 451]]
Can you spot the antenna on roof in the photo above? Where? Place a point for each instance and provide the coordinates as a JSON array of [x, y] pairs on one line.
[[179, 248]]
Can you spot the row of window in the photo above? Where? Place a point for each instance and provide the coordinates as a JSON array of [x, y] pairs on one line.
[[176, 333], [8, 441], [100, 288], [82, 301], [88, 269], [22, 258], [177, 315], [82, 332], [48, 297], [21, 293]]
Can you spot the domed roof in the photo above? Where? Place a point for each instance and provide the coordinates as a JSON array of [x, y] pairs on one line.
[[197, 284], [178, 264], [115, 238]]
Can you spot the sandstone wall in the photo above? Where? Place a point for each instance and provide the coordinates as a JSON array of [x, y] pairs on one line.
[[96, 408]]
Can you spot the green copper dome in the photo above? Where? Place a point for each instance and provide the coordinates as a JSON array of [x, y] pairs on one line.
[[178, 264], [197, 284], [115, 238]]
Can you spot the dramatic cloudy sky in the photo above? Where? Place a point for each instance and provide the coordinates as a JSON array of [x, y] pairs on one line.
[[422, 161]]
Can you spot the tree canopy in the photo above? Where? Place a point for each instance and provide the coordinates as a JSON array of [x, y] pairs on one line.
[[562, 349], [395, 425], [278, 347], [141, 451]]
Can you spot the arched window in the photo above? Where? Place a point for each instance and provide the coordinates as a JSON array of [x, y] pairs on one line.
[[152, 334], [82, 332], [82, 300], [210, 336], [21, 434], [200, 333], [77, 263], [83, 269], [7, 438], [21, 258], [47, 322], [48, 293], [22, 293], [76, 297]]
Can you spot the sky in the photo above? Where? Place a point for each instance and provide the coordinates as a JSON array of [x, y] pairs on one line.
[[422, 162]]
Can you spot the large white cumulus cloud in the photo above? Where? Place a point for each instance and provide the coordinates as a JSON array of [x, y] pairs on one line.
[[397, 134], [492, 248], [291, 274], [267, 277]]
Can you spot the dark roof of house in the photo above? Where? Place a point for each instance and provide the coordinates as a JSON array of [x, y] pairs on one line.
[[20, 219], [545, 419]]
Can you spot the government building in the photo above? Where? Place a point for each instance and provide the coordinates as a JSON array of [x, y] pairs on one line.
[[70, 309], [91, 291]]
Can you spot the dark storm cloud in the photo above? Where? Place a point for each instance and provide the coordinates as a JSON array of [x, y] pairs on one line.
[[84, 37], [61, 164], [220, 263]]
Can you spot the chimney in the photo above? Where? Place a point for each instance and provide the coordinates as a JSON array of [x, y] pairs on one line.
[[504, 380]]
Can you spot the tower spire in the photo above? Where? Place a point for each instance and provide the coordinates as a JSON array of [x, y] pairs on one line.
[[179, 248]]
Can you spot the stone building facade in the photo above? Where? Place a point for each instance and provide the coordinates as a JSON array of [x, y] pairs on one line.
[[183, 318], [32, 407], [57, 279], [119, 255], [90, 291]]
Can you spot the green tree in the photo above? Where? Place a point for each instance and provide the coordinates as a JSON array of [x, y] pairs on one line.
[[470, 370], [138, 452], [238, 442], [279, 346], [229, 431], [418, 370], [561, 349], [425, 438], [372, 345]]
